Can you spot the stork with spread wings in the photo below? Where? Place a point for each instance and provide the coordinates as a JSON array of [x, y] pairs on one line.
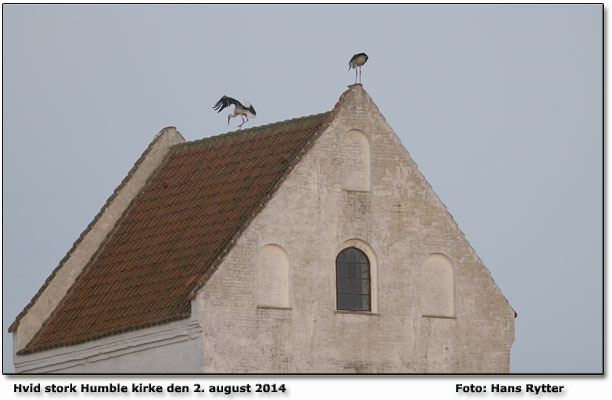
[[245, 110]]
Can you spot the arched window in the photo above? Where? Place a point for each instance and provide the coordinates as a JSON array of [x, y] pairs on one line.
[[353, 280]]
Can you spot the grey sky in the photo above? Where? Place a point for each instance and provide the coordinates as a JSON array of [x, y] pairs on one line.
[[499, 105]]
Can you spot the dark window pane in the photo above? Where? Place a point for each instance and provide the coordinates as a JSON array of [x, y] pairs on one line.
[[364, 271], [364, 303], [353, 302], [352, 256], [343, 286], [343, 302], [342, 270], [352, 284], [353, 271], [357, 286], [364, 287]]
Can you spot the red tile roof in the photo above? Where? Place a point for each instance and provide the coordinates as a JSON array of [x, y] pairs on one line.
[[89, 227], [177, 231]]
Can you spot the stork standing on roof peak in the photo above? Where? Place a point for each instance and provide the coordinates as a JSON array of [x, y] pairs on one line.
[[245, 110], [356, 62]]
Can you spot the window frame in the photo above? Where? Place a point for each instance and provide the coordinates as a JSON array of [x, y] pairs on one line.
[[369, 279]]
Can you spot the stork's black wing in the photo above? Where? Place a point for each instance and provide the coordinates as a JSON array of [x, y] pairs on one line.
[[354, 59], [225, 102], [358, 55]]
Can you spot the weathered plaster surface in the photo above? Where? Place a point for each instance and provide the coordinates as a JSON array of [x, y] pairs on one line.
[[402, 221]]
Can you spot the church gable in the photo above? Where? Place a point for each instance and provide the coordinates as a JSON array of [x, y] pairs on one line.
[[356, 192], [409, 211]]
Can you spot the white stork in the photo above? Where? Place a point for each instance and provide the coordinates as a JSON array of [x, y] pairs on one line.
[[245, 110], [357, 61]]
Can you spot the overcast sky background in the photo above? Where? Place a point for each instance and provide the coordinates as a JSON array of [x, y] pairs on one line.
[[499, 105]]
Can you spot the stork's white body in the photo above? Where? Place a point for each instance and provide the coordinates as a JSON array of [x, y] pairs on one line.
[[356, 62], [242, 111], [359, 60], [245, 110]]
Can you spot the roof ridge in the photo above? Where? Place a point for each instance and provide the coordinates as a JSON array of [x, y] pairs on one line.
[[249, 131]]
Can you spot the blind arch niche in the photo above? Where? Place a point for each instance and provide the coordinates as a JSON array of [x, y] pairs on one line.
[[439, 286], [272, 277], [356, 160]]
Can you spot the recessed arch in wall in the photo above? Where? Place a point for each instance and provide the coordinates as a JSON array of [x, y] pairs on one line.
[[438, 286], [272, 277], [356, 160]]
